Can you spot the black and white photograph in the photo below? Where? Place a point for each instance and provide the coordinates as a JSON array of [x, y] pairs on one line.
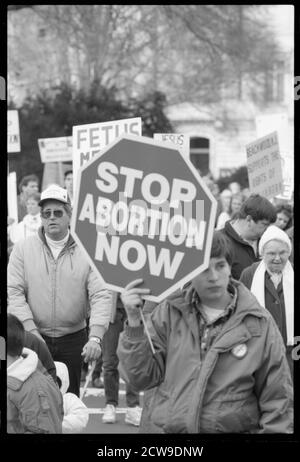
[[149, 260]]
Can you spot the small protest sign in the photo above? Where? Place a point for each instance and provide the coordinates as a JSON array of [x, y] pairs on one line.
[[279, 122], [13, 131], [264, 166], [58, 149], [182, 141], [90, 139], [12, 204]]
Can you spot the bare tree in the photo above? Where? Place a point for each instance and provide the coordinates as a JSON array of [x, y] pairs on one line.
[[189, 52]]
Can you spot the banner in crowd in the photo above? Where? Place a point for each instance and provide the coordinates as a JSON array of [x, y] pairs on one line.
[[57, 149], [141, 210], [181, 141], [13, 131], [264, 166], [12, 204], [267, 123], [90, 139]]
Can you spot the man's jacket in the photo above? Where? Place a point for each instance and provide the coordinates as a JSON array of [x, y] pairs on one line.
[[56, 296], [243, 253]]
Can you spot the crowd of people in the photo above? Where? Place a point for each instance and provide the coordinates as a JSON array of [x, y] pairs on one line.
[[219, 360]]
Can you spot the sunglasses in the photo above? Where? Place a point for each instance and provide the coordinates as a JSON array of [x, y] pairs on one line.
[[56, 213]]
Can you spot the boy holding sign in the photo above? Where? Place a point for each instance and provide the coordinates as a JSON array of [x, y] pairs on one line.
[[215, 349]]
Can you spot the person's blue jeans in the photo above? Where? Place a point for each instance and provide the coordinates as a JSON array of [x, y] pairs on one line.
[[110, 363], [68, 349]]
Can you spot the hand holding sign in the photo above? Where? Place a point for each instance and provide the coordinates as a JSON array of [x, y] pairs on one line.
[[132, 301]]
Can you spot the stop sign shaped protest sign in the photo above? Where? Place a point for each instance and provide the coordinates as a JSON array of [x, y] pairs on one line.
[[142, 211]]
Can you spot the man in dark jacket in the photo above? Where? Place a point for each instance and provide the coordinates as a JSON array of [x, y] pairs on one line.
[[256, 214]]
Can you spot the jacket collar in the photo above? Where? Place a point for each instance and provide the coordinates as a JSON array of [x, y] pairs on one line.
[[246, 305], [235, 331], [41, 234], [23, 367], [234, 235]]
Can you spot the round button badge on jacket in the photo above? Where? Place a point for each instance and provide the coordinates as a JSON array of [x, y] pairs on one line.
[[239, 351]]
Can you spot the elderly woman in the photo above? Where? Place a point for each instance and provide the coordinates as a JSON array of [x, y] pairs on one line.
[[272, 282]]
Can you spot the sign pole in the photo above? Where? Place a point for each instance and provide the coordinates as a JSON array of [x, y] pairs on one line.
[[88, 378], [61, 173], [147, 331]]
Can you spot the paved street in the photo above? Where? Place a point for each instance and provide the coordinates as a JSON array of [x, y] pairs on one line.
[[95, 401]]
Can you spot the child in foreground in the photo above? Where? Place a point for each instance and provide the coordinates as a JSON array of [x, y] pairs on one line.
[[34, 402], [75, 411]]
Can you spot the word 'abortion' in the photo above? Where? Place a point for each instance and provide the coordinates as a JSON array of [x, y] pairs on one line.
[[143, 217]]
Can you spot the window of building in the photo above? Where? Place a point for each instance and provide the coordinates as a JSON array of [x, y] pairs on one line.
[[274, 82], [269, 86], [199, 154], [42, 33]]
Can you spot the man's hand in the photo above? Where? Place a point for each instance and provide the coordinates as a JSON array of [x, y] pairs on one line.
[[91, 351], [132, 301]]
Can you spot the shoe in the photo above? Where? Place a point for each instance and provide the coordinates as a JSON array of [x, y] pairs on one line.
[[133, 416], [109, 415], [97, 383]]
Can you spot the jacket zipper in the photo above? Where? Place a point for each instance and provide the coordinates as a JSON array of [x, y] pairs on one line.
[[202, 391], [53, 284], [55, 266], [203, 385], [53, 276]]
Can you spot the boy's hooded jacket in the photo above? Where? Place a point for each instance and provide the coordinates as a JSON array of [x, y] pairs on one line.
[[34, 402], [75, 411], [226, 392]]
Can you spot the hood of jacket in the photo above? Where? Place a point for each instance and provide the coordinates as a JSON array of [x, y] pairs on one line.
[[41, 234], [23, 367], [69, 247], [63, 374], [246, 304]]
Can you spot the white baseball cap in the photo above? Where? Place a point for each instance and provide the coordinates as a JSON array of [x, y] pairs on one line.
[[55, 192]]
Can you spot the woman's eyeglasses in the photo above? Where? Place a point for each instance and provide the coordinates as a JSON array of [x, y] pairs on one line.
[[56, 213]]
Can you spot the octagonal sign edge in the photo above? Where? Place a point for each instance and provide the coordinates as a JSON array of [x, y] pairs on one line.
[[146, 160]]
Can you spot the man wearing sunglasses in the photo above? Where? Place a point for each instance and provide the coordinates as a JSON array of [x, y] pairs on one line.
[[53, 290]]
